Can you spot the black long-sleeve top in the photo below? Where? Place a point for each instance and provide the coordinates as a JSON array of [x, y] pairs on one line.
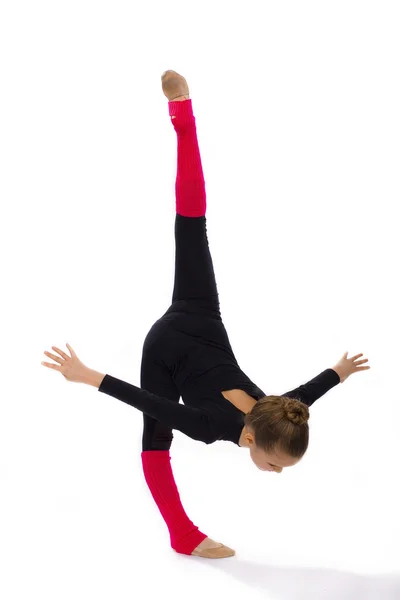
[[206, 415]]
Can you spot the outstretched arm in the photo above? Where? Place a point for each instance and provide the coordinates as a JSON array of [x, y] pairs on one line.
[[193, 422], [317, 387], [314, 389]]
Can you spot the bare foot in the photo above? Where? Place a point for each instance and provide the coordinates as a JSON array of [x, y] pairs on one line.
[[175, 87], [208, 548]]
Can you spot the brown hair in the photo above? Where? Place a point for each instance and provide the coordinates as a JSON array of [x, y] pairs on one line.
[[280, 423]]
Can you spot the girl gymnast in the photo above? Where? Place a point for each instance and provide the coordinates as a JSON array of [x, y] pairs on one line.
[[187, 353]]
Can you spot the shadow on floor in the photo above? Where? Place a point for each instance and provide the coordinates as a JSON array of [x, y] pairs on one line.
[[296, 583]]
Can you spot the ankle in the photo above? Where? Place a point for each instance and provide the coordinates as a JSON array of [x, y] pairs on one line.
[[181, 98]]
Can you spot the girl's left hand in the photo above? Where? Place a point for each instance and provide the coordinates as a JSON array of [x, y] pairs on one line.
[[348, 366]]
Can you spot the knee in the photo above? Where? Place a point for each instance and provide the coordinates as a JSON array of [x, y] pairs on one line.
[[156, 442]]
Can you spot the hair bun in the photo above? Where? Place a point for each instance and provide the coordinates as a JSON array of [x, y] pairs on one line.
[[296, 412]]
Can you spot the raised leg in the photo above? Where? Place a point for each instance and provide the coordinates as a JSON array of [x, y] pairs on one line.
[[190, 187], [194, 269]]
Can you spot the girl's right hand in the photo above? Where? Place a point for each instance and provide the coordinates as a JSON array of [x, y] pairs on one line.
[[69, 366]]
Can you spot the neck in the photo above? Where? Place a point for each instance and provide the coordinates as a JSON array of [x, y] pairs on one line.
[[240, 399], [244, 402]]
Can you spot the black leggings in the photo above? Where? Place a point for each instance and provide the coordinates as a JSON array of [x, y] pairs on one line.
[[195, 291]]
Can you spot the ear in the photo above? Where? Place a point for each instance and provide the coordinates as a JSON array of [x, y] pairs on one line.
[[250, 437]]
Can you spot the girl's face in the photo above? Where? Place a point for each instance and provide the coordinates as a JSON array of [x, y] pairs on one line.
[[270, 461]]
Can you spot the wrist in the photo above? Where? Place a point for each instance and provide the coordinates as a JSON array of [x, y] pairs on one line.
[[92, 377], [339, 372]]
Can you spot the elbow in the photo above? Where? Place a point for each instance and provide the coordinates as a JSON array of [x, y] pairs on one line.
[[210, 433], [212, 436], [206, 436]]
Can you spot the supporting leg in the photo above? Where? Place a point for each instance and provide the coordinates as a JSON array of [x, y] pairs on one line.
[[184, 535], [156, 461]]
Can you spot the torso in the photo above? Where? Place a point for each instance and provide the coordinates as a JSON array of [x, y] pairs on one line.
[[240, 399]]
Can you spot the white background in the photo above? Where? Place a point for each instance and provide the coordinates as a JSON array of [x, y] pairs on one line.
[[297, 113]]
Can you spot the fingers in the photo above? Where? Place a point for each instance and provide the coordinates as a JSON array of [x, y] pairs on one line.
[[356, 356], [71, 350], [61, 353], [54, 357], [60, 361], [55, 367], [65, 356]]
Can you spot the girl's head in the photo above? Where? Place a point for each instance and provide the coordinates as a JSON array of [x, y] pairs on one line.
[[276, 431]]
